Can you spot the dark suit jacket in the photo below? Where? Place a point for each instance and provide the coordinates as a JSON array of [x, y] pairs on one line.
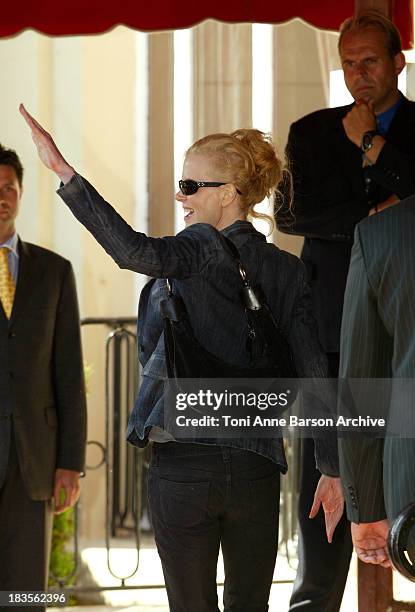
[[330, 198], [41, 379], [378, 341]]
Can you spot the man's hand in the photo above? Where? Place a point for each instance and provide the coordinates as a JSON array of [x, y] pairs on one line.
[[48, 152], [359, 119], [370, 542], [329, 493], [66, 490], [391, 201]]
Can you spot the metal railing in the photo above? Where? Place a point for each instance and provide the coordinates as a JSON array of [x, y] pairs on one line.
[[123, 464]]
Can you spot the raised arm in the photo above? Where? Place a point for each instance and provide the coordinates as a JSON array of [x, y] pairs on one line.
[[48, 152], [172, 256]]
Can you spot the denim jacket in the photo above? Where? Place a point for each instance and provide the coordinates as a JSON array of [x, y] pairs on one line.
[[206, 278]]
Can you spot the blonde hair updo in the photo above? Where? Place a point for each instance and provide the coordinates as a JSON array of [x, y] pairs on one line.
[[246, 158]]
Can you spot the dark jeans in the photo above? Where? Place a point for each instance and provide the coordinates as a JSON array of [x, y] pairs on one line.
[[202, 497]]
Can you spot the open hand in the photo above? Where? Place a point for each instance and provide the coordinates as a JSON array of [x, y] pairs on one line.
[[48, 152], [329, 494], [371, 542]]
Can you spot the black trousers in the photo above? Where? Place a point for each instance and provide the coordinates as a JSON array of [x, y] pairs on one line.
[[25, 535], [202, 497], [323, 567]]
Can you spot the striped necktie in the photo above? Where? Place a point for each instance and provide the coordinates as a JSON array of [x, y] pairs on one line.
[[7, 287]]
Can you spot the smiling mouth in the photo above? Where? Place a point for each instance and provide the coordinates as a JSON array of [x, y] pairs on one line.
[[188, 213]]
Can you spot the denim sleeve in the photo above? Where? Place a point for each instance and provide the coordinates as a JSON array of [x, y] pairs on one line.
[[173, 256], [311, 362]]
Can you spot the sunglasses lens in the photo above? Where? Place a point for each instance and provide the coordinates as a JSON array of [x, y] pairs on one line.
[[188, 187]]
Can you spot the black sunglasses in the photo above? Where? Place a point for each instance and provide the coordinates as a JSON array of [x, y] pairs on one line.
[[189, 186]]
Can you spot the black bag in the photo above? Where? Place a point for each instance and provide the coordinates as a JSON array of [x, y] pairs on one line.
[[271, 356]]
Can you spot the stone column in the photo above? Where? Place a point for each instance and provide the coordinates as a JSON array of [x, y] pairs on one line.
[[222, 77], [161, 134], [303, 57]]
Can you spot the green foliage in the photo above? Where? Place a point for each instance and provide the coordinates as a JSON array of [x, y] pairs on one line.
[[62, 561]]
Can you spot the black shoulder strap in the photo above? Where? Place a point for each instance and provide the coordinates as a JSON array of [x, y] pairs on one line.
[[231, 247], [249, 296]]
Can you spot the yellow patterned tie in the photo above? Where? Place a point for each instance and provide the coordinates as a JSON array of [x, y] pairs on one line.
[[7, 287]]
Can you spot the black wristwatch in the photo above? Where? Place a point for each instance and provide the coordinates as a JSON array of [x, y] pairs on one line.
[[367, 140]]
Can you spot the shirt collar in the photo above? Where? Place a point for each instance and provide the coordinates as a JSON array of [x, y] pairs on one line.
[[11, 244], [383, 120]]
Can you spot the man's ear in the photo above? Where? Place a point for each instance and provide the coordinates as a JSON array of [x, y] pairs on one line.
[[400, 62]]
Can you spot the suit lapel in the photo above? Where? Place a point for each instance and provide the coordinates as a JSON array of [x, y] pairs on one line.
[[3, 319], [27, 279], [350, 156]]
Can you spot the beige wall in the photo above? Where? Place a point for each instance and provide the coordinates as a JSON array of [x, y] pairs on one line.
[[107, 86]]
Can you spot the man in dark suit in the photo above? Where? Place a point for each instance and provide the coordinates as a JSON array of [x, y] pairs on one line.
[[346, 162], [378, 341], [42, 399]]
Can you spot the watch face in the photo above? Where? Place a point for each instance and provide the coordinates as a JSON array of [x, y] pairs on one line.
[[367, 140]]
